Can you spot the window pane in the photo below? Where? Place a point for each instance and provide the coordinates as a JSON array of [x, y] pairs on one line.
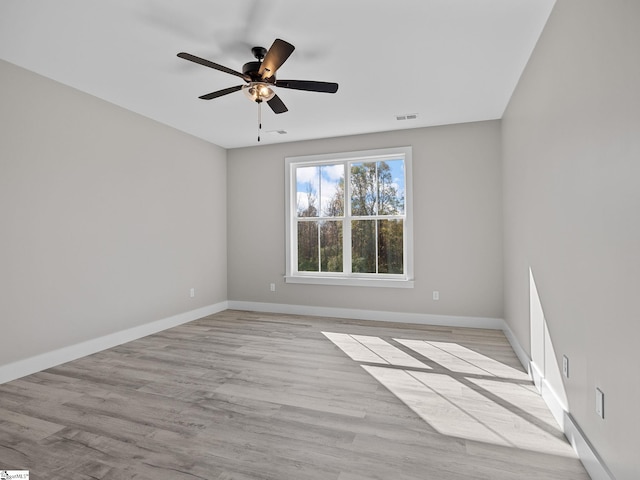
[[363, 189], [308, 246], [391, 187], [390, 246], [363, 246], [348, 218], [331, 246], [307, 188], [332, 190], [377, 188]]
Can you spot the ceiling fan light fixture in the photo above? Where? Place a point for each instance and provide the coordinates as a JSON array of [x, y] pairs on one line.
[[260, 77], [258, 91]]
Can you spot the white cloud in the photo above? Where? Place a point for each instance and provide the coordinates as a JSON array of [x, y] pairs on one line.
[[304, 175], [333, 172]]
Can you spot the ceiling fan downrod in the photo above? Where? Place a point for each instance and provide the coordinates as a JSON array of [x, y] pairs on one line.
[[259, 102]]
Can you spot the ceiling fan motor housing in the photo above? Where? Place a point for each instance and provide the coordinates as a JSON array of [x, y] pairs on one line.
[[251, 69]]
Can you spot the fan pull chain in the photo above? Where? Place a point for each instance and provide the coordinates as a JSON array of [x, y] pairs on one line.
[[259, 119]]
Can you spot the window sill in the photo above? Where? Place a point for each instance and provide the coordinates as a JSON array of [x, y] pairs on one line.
[[350, 282]]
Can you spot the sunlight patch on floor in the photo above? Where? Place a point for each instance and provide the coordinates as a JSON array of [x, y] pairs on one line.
[[460, 392], [362, 348], [458, 358]]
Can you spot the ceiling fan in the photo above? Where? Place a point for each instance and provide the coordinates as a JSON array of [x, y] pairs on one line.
[[260, 77]]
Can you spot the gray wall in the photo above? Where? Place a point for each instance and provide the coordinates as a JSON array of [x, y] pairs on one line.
[[107, 218], [571, 146], [457, 223]]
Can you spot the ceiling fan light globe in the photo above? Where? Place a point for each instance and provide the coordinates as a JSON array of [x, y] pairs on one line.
[[258, 91], [265, 92]]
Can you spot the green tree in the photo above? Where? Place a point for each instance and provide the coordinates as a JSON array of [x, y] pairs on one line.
[[308, 232], [376, 247]]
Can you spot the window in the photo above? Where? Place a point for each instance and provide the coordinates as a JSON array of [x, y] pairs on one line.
[[349, 218]]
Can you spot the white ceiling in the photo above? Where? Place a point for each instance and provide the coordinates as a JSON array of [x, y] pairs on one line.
[[449, 61]]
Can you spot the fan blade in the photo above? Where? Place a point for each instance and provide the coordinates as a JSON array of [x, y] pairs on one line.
[[276, 105], [207, 63], [308, 85], [275, 57], [220, 93]]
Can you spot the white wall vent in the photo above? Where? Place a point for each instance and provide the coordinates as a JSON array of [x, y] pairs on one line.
[[407, 116]]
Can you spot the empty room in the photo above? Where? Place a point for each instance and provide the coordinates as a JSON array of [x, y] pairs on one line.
[[340, 240]]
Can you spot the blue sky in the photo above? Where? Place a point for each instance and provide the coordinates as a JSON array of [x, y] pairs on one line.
[[323, 181]]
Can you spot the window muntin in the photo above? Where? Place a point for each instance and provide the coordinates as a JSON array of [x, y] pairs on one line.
[[349, 217]]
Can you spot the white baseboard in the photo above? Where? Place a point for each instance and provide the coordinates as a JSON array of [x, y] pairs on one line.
[[536, 375], [557, 407], [46, 360], [588, 456], [517, 348], [376, 315], [592, 462]]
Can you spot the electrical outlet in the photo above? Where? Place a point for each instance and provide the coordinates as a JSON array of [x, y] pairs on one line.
[[192, 292], [436, 295], [599, 403], [272, 287], [565, 366]]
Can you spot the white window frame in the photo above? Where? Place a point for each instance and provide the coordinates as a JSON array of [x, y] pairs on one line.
[[348, 279]]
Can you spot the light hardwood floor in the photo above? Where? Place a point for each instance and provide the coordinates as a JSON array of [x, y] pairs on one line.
[[243, 395]]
